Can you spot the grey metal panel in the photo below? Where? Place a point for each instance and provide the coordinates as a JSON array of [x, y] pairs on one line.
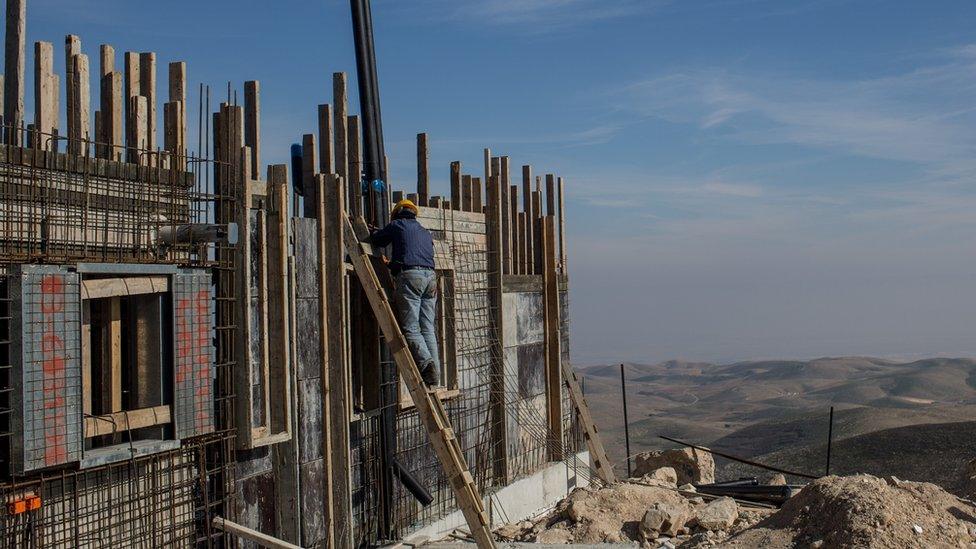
[[46, 375], [194, 353]]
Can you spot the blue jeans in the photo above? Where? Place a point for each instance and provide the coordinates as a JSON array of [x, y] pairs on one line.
[[416, 303]]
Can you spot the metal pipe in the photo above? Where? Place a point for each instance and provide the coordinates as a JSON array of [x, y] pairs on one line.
[[830, 438], [740, 460], [623, 391]]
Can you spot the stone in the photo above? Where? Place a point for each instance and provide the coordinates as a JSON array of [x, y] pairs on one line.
[[555, 536], [691, 466], [720, 514], [509, 531], [688, 487], [663, 475], [779, 479], [664, 518]]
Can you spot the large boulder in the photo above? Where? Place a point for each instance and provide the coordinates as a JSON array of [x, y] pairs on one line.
[[718, 515], [691, 465]]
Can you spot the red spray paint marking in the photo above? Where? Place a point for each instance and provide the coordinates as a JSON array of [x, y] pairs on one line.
[[192, 345], [54, 363]]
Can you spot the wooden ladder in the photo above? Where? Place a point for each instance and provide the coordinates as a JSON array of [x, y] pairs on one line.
[[598, 455], [428, 406]]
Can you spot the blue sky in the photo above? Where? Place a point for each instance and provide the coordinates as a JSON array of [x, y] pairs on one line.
[[746, 178]]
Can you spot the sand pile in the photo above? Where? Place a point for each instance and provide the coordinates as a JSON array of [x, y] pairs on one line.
[[865, 511]]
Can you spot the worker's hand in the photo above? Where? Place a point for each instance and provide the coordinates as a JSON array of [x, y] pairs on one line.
[[386, 260]]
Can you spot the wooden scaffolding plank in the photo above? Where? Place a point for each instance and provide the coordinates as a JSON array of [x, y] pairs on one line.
[[598, 454], [429, 409]]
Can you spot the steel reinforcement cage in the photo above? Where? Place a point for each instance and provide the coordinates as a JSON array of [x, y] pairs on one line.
[[70, 210]]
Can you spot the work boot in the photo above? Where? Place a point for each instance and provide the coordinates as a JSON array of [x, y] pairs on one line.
[[429, 374]]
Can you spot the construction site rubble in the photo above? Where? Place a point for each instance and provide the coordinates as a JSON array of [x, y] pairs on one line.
[[836, 512], [691, 465]]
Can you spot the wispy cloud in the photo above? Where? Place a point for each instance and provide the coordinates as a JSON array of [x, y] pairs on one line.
[[541, 15], [922, 116]]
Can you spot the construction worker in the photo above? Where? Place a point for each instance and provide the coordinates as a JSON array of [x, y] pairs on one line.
[[415, 297]]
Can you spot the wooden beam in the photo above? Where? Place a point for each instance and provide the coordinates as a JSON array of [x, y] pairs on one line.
[[245, 533], [423, 170], [550, 194], [117, 422], [14, 76], [131, 89], [308, 175], [553, 342], [476, 202], [516, 243], [136, 140], [537, 252], [354, 186], [147, 89], [524, 243], [177, 81], [45, 97], [325, 376], [252, 122], [106, 59], [112, 136], [340, 125], [72, 47], [99, 288], [278, 296], [110, 351], [529, 219], [80, 106], [326, 156], [503, 180], [561, 216], [466, 193], [456, 187], [340, 387], [495, 268]]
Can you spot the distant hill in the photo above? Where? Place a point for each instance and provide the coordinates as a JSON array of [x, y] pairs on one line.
[[757, 408]]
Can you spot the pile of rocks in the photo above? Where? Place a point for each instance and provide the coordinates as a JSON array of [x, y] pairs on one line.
[[658, 509]]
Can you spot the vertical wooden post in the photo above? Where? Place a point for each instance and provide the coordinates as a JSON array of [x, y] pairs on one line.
[[529, 219], [355, 168], [72, 47], [340, 125], [537, 252], [252, 122], [113, 125], [550, 194], [553, 342], [503, 174], [340, 407], [523, 251], [516, 244], [132, 88], [177, 81], [177, 93], [412, 197], [309, 181], [80, 102], [147, 89], [476, 203], [423, 169], [332, 515], [466, 193], [45, 97], [561, 214], [140, 121], [326, 158], [397, 196], [13, 83], [495, 263], [456, 194]]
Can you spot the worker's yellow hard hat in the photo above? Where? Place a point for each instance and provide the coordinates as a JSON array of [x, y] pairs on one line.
[[405, 203]]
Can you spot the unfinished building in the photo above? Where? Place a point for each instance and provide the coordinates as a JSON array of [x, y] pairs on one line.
[[187, 356]]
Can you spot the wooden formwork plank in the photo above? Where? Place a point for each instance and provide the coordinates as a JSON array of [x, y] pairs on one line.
[[456, 187], [136, 141], [561, 216], [430, 410], [252, 122], [467, 193], [423, 170], [326, 158], [514, 246], [340, 390], [340, 124], [147, 89], [536, 236], [308, 175], [279, 331], [354, 186], [598, 454], [72, 47], [325, 377], [476, 201], [503, 181], [45, 96], [79, 131], [14, 76], [106, 424], [529, 220], [494, 213], [553, 342]]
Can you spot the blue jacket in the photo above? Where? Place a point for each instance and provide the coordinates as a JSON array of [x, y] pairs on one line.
[[412, 244]]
